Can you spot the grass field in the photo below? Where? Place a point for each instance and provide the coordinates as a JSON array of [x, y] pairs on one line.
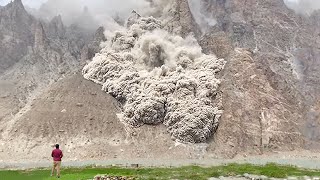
[[188, 172]]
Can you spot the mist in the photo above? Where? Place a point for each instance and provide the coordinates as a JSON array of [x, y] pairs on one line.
[[29, 3], [90, 14], [305, 7], [203, 18]]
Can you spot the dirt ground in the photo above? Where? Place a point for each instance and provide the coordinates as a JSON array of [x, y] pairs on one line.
[[299, 159]]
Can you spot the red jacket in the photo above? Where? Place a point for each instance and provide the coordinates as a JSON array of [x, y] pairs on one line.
[[57, 154]]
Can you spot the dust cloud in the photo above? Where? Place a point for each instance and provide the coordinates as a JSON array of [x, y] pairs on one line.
[[199, 11], [160, 78]]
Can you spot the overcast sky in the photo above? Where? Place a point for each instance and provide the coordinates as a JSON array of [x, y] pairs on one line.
[[30, 3], [109, 6], [37, 3]]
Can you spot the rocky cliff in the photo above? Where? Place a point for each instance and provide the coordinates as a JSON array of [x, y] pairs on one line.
[[35, 54], [15, 33], [271, 84]]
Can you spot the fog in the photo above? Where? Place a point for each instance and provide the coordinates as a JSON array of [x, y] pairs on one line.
[[89, 13], [93, 13], [30, 3], [98, 12], [102, 10], [203, 18], [305, 7]]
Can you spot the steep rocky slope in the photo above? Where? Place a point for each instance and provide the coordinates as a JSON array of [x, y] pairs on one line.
[[257, 118], [270, 87], [15, 39], [35, 54]]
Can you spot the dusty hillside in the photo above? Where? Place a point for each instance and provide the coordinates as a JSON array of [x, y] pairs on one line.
[[83, 119]]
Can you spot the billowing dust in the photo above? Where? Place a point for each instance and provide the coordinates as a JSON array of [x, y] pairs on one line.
[[160, 78]]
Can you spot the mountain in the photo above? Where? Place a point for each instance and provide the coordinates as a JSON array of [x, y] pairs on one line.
[[35, 54], [15, 33], [268, 89], [247, 85], [271, 82]]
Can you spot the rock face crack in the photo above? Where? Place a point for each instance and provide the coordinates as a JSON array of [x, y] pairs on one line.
[[160, 78]]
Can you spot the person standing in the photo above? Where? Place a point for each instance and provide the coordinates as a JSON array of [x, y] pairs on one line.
[[57, 156]]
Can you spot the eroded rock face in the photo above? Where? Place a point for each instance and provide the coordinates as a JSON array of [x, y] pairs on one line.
[[16, 34], [177, 18], [56, 28], [283, 55], [89, 51], [34, 54], [256, 118], [160, 78]]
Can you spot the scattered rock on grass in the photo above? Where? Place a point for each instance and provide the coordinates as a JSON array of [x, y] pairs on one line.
[[106, 177]]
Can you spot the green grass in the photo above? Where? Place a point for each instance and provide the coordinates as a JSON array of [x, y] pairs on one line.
[[188, 172]]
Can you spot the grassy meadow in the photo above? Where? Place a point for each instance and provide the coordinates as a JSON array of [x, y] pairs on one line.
[[187, 172]]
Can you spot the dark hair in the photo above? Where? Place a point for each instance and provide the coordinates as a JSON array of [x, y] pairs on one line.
[[57, 146]]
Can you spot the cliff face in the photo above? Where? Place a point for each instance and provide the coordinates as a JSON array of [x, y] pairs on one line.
[[270, 86], [34, 54], [178, 19], [16, 34]]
